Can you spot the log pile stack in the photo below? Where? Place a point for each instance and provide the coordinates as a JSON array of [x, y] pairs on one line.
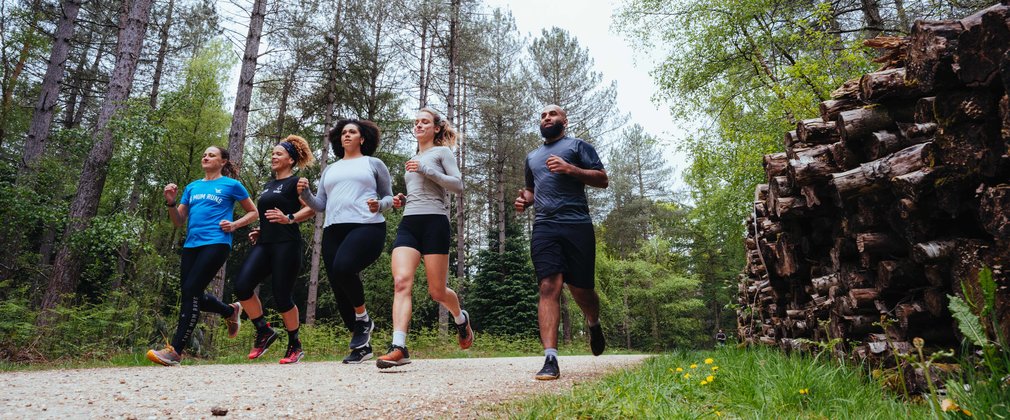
[[891, 201]]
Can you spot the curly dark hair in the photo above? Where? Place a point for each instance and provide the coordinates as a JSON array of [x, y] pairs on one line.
[[370, 133]]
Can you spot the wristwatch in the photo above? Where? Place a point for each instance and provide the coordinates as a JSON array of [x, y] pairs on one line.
[[291, 218]]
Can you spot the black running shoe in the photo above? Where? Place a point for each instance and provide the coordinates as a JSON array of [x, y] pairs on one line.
[[358, 355], [465, 332], [597, 343], [550, 370], [361, 333], [263, 341]]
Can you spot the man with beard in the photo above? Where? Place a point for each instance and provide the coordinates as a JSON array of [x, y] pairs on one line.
[[563, 245]]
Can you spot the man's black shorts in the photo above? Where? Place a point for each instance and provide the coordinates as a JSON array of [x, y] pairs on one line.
[[567, 248], [427, 233]]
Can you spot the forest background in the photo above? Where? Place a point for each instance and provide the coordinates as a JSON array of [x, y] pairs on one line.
[[105, 101]]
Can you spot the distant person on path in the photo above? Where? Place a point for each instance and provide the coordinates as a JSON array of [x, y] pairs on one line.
[[277, 249], [563, 244], [353, 191], [720, 338], [424, 232], [207, 206]]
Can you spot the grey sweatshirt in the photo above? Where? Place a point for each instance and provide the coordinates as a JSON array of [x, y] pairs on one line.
[[428, 189], [346, 186]]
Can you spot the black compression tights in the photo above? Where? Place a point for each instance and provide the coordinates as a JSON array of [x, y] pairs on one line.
[[199, 265], [349, 248], [279, 260]]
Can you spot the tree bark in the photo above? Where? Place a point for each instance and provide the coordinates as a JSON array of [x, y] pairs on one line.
[[243, 97], [159, 67], [66, 270], [42, 117]]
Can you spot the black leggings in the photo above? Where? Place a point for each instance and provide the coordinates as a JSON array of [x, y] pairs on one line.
[[199, 265], [280, 260], [349, 248]]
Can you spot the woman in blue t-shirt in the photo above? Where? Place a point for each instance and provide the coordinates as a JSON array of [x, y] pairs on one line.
[[209, 205]]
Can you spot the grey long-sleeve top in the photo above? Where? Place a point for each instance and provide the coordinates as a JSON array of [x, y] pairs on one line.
[[428, 189], [346, 186]]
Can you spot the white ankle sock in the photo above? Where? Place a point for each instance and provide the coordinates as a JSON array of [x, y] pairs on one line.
[[460, 319], [551, 353], [362, 316], [400, 338]]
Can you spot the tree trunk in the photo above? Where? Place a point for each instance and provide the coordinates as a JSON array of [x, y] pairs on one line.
[[162, 53], [872, 21], [42, 117], [243, 97], [15, 73], [450, 100], [317, 232], [66, 270]]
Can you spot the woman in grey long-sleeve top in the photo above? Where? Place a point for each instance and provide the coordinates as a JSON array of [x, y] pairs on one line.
[[353, 191], [424, 232]]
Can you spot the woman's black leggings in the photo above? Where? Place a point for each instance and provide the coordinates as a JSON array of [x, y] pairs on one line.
[[349, 248], [199, 265], [281, 261]]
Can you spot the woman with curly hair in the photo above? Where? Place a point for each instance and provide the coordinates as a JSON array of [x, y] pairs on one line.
[[353, 191], [278, 249]]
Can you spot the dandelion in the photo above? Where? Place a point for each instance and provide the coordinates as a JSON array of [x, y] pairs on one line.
[[805, 391], [687, 376], [704, 383], [718, 413], [694, 366], [715, 368], [680, 370], [709, 361], [966, 412], [710, 378]]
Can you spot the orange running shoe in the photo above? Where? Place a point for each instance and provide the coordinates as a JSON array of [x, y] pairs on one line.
[[465, 332], [397, 356]]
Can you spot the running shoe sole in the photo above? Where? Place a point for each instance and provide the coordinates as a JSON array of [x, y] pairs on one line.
[[153, 356], [465, 344], [265, 347], [386, 364], [237, 322], [301, 354], [548, 377], [364, 358]]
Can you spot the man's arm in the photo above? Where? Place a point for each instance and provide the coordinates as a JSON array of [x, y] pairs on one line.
[[592, 177]]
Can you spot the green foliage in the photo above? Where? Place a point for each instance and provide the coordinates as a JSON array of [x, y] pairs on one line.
[[756, 383], [503, 295], [967, 321]]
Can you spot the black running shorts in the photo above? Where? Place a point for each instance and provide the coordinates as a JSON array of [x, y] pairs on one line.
[[567, 248], [427, 233]]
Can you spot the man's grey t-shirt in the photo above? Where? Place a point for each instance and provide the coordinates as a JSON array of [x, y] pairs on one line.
[[557, 197]]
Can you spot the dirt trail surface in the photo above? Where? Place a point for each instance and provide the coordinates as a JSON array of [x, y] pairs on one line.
[[456, 388]]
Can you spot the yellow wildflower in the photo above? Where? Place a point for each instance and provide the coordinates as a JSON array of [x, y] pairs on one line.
[[966, 412], [709, 361], [715, 368], [710, 378], [804, 391], [687, 375], [680, 370], [718, 413], [704, 382], [694, 366], [949, 405]]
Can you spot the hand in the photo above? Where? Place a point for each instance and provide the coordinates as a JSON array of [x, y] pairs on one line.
[[275, 215], [521, 201], [558, 165], [171, 191], [227, 226], [254, 235], [399, 200], [373, 205], [302, 184], [412, 166]]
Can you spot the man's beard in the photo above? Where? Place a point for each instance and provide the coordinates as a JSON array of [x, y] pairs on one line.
[[552, 131]]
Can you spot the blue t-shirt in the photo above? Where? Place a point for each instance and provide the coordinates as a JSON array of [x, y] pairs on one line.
[[557, 197], [210, 202]]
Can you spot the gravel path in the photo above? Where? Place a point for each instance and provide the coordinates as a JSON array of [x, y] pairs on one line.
[[425, 388]]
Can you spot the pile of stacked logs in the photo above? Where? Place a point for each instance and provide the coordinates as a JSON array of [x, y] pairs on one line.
[[892, 200]]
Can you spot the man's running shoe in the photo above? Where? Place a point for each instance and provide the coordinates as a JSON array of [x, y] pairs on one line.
[[397, 356], [465, 332], [292, 355], [358, 355], [597, 343], [263, 341], [361, 333], [235, 320], [165, 357], [550, 370]]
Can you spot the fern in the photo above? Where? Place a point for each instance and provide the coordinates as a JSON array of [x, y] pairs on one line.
[[967, 321]]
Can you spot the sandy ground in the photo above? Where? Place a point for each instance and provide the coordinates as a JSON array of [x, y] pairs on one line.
[[446, 388]]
